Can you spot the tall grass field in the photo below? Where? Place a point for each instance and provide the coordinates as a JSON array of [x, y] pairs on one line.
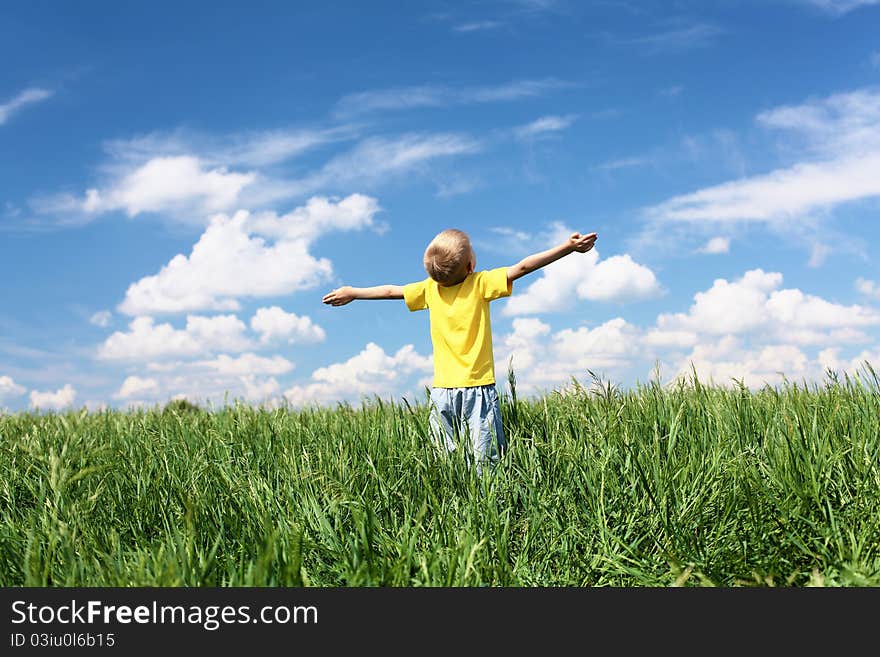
[[661, 485]]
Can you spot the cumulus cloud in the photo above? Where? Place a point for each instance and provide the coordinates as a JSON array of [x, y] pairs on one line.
[[212, 381], [246, 365], [135, 386], [260, 390], [177, 185], [9, 388], [371, 372], [146, 340], [249, 255], [543, 359], [21, 100], [727, 361], [583, 276], [273, 323], [751, 329], [830, 359], [716, 245], [48, 400], [754, 303]]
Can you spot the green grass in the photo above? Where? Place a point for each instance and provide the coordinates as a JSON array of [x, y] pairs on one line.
[[687, 484]]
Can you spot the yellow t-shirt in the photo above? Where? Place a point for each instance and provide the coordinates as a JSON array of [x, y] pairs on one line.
[[461, 332]]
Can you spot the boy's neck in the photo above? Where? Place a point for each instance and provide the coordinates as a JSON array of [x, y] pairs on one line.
[[458, 282]]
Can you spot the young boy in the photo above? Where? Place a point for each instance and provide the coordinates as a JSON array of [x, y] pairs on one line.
[[464, 400]]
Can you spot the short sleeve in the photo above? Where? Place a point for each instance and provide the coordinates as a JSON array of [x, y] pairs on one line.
[[414, 295], [494, 284]]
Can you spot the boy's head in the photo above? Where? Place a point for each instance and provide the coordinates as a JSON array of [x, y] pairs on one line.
[[449, 257]]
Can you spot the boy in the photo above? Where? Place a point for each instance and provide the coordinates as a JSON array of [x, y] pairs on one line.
[[463, 396]]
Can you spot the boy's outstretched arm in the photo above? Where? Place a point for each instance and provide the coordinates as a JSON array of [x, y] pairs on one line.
[[577, 242], [346, 294]]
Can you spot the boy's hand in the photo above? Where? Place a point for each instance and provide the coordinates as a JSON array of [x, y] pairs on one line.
[[339, 296], [582, 243]]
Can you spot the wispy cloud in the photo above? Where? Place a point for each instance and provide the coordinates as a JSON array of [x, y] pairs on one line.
[[624, 163], [379, 159], [26, 97], [837, 142], [676, 38], [403, 98], [868, 287], [838, 6], [671, 92], [544, 125], [477, 26], [187, 180]]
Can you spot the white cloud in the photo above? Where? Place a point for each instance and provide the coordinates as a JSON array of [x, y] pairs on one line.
[[246, 365], [726, 361], [188, 180], [683, 36], [376, 159], [618, 278], [260, 390], [868, 288], [839, 141], [753, 303], [520, 344], [583, 276], [233, 259], [748, 329], [101, 318], [178, 185], [402, 98], [146, 340], [544, 125], [135, 386], [671, 339], [371, 372], [9, 388], [782, 196], [61, 398], [24, 98], [716, 245], [477, 26], [671, 92], [246, 149], [273, 323], [839, 6], [212, 381], [543, 359], [830, 359], [612, 345], [624, 163]]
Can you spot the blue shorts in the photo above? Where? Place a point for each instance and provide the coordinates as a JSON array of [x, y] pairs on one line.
[[469, 416]]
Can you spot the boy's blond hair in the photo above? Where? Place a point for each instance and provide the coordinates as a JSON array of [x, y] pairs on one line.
[[447, 256]]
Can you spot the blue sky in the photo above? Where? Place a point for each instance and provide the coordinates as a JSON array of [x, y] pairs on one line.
[[180, 183]]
